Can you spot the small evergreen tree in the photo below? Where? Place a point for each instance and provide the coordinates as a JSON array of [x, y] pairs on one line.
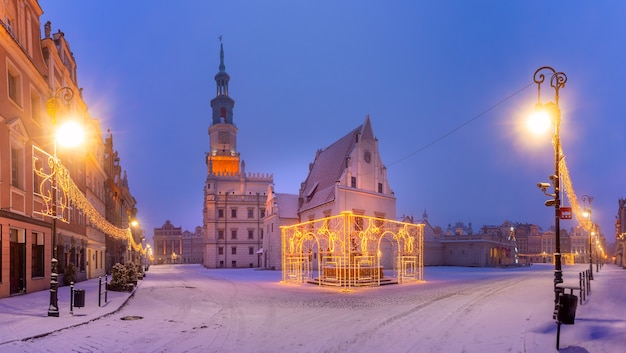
[[69, 274], [119, 280], [131, 269]]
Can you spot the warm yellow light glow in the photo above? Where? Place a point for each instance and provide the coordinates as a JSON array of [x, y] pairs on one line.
[[134, 223], [70, 134], [350, 250], [538, 122]]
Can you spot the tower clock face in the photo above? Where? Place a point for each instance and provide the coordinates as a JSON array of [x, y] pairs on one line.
[[223, 138]]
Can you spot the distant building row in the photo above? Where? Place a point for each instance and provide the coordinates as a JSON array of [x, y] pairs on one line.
[[506, 244], [172, 245]]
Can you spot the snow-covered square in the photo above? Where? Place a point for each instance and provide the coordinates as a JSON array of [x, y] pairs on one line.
[[187, 308]]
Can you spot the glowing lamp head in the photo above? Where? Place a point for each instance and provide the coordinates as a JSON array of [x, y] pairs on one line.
[[539, 122], [70, 134]]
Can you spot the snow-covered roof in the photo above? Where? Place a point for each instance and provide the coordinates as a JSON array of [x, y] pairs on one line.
[[329, 166], [287, 205]]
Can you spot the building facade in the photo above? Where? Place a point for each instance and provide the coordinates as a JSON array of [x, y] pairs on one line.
[[234, 200], [193, 246], [120, 209], [620, 233], [168, 244], [281, 210], [39, 91], [348, 175]]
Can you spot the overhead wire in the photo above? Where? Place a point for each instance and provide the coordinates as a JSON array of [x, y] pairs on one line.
[[479, 115]]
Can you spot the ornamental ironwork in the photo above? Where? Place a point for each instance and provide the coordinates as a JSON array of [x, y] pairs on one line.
[[352, 250]]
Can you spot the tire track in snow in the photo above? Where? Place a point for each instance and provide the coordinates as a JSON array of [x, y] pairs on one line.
[[368, 336]]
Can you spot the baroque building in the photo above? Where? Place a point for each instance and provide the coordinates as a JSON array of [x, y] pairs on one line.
[[39, 91], [120, 209], [168, 244], [234, 200]]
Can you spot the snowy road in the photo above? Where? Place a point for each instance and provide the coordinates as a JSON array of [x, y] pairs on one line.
[[188, 308]]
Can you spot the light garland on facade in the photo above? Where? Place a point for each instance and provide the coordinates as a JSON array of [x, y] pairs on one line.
[[68, 192], [577, 210], [77, 197]]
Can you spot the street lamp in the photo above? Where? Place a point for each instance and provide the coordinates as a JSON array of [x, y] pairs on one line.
[[552, 110], [57, 171], [148, 254], [587, 214], [135, 229]]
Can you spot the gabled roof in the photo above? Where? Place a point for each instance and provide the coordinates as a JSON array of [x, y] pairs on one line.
[[329, 166], [287, 205]]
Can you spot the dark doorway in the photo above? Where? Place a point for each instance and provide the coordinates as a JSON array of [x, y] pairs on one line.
[[18, 261]]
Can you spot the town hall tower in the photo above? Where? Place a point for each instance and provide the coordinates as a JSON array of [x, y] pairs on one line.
[[234, 201]]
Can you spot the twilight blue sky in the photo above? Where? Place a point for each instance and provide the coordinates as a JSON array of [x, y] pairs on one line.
[[446, 84]]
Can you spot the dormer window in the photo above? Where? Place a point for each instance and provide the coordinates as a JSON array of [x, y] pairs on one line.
[[309, 195]]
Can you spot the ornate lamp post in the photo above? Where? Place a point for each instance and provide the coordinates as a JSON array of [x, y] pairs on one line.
[[54, 182], [52, 107], [587, 213], [557, 81]]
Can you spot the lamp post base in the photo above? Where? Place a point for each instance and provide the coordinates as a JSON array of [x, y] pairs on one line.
[[53, 309]]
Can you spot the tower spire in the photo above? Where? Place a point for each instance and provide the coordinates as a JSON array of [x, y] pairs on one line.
[[223, 157], [222, 66]]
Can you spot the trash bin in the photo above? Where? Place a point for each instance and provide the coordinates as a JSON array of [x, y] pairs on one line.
[[567, 308], [79, 298]]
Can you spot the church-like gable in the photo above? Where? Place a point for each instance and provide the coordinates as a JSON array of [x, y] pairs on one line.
[[348, 175]]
